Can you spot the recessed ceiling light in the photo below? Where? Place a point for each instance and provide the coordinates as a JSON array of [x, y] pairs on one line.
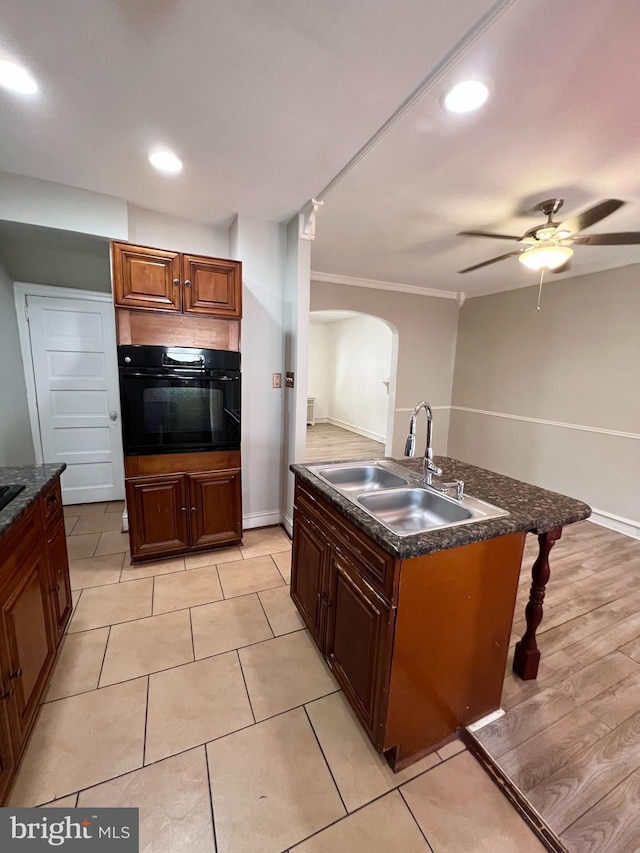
[[16, 78], [166, 161], [465, 97]]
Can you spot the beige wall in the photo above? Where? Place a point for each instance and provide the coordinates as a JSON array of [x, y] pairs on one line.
[[16, 445], [576, 363], [426, 328]]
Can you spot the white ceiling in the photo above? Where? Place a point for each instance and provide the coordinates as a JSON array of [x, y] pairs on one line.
[[266, 101], [562, 121]]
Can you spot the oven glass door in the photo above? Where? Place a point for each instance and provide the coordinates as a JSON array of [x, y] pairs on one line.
[[170, 414]]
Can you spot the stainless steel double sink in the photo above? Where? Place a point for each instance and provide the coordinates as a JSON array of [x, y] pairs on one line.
[[401, 501]]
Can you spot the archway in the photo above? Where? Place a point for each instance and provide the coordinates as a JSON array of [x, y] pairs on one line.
[[351, 386]]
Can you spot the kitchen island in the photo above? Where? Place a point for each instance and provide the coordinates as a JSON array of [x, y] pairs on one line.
[[35, 602], [416, 627]]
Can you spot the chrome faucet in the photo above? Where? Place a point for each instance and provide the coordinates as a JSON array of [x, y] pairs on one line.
[[429, 468]]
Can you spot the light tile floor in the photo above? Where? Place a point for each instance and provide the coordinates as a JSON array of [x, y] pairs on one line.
[[190, 689]]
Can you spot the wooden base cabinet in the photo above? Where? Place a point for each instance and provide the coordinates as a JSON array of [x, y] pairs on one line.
[[174, 513], [419, 646], [35, 605]]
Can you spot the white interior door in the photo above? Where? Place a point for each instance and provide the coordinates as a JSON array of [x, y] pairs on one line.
[[75, 370]]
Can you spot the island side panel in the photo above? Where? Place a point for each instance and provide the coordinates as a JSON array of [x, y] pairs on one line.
[[455, 612]]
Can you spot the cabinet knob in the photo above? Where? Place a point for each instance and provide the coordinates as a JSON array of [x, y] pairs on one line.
[[176, 281], [184, 509], [7, 694], [187, 283], [16, 673], [193, 509]]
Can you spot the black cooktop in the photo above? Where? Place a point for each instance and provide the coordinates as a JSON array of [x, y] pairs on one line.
[[8, 493]]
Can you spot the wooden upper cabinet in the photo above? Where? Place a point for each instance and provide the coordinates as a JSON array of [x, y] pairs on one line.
[[146, 278], [159, 280], [212, 286]]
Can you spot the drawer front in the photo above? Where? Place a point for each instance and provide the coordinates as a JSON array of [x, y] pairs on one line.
[[374, 564]]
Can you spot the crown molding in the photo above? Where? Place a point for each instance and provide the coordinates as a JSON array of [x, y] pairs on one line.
[[373, 284]]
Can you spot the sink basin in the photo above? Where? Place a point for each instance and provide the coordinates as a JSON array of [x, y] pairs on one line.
[[360, 478], [399, 500], [413, 510]]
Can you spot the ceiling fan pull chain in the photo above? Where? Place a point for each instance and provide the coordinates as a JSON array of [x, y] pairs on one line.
[[540, 288]]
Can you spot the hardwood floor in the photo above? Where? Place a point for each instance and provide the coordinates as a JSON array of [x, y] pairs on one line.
[[570, 740], [327, 443]]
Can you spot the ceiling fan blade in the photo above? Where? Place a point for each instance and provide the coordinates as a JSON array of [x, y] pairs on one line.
[[492, 261], [623, 238], [588, 217], [487, 234]]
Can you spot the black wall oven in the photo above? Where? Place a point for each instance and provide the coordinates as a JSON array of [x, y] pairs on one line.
[[179, 399]]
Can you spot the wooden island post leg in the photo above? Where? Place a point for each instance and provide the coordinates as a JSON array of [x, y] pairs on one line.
[[527, 655]]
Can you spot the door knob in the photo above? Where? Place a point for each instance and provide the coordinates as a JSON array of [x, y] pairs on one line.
[[113, 415]]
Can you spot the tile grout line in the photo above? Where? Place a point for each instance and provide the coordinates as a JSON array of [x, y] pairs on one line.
[[193, 643], [176, 666], [333, 779], [146, 718], [422, 832], [273, 633], [244, 680], [213, 817], [104, 657]]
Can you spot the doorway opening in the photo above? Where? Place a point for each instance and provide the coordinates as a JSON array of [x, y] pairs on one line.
[[351, 386]]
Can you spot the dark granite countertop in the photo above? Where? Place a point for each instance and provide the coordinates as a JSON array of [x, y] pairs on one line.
[[530, 508], [35, 478]]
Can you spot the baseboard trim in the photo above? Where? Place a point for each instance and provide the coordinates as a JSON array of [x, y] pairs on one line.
[[353, 428], [536, 822], [616, 522], [261, 519], [287, 522]]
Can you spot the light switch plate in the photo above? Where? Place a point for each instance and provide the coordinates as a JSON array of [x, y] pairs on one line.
[[277, 380]]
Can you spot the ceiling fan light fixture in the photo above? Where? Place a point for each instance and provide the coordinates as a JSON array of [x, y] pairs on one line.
[[546, 257], [466, 96]]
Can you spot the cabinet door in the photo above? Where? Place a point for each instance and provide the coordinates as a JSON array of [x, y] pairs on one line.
[[308, 573], [28, 638], [212, 286], [7, 754], [60, 584], [157, 515], [146, 278], [358, 640], [215, 508]]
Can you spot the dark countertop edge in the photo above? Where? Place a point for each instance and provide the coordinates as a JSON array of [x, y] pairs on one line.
[[36, 479], [538, 510]]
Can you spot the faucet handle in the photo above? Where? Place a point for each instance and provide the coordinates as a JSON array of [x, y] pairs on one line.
[[410, 445], [459, 490]]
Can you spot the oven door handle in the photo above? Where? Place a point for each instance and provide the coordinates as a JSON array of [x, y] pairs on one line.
[[199, 375]]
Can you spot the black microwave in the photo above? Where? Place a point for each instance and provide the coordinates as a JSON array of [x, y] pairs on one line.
[[179, 399]]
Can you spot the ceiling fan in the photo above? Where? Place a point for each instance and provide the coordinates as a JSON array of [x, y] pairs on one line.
[[549, 246]]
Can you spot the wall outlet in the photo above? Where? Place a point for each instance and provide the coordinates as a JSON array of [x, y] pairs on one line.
[[277, 380]]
